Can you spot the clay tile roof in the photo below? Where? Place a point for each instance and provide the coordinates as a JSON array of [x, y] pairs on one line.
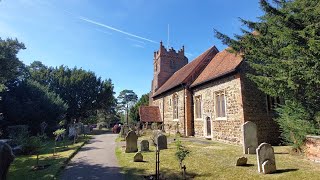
[[183, 75], [149, 114], [223, 63]]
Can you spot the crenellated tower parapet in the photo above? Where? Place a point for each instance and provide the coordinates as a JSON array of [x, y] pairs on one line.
[[166, 63]]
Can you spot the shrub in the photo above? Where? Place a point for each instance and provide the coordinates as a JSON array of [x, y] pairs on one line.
[[182, 152], [295, 123], [33, 145], [19, 134], [154, 126]]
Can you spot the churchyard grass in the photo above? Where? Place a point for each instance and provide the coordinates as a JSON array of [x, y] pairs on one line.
[[21, 168], [214, 160]]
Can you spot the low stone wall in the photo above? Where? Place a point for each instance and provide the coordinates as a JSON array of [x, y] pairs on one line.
[[313, 148]]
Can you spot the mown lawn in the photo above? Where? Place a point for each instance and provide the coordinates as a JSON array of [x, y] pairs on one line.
[[21, 168], [213, 160]]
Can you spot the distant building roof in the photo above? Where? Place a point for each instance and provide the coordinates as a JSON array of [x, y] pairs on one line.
[[149, 114], [223, 63], [188, 72]]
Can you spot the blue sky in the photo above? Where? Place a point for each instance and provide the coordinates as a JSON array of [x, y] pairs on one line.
[[116, 39]]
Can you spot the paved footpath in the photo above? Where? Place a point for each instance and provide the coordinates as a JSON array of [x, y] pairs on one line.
[[95, 160]]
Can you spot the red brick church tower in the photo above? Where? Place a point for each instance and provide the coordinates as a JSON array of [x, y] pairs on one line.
[[165, 64]]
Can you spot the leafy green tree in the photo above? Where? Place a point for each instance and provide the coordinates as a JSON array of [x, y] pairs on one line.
[[10, 65], [30, 103], [126, 98], [82, 90], [106, 103], [293, 122], [283, 49], [134, 110]]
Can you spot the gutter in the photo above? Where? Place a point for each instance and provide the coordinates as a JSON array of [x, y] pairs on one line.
[[184, 109]]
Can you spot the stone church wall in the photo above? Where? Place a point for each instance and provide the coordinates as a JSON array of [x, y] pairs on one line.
[[165, 102], [223, 129], [255, 110]]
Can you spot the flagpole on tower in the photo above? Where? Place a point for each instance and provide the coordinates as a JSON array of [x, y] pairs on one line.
[[168, 37]]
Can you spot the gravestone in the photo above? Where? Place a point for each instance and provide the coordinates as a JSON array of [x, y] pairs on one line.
[[138, 157], [162, 142], [268, 167], [87, 129], [124, 130], [144, 145], [155, 134], [242, 161], [250, 139], [6, 158], [131, 142], [72, 131], [265, 158]]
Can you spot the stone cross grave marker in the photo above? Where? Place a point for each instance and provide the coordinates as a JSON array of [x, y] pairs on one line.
[[6, 158], [144, 145], [250, 139], [162, 142], [131, 142], [266, 159]]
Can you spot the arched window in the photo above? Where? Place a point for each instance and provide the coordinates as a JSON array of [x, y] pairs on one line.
[[175, 105]]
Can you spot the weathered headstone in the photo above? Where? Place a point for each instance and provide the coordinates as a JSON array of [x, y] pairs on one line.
[[250, 139], [162, 142], [131, 142], [124, 130], [144, 145], [6, 158], [87, 129], [155, 134], [268, 167], [265, 158], [72, 131], [242, 161], [138, 157]]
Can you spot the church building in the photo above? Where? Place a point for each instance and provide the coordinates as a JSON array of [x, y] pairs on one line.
[[210, 97]]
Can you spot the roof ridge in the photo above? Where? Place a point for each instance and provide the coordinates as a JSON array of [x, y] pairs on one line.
[[211, 49], [224, 62]]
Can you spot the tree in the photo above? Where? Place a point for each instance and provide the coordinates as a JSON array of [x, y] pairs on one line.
[[82, 90], [10, 65], [30, 103], [106, 103], [126, 98], [283, 49], [134, 110]]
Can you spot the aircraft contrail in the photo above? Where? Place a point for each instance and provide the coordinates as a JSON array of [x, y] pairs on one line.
[[115, 29]]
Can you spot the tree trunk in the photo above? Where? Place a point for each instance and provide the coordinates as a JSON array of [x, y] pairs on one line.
[[127, 116]]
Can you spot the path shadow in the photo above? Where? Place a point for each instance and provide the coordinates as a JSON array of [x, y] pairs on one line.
[[101, 131], [93, 141], [90, 171], [279, 171], [86, 148]]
